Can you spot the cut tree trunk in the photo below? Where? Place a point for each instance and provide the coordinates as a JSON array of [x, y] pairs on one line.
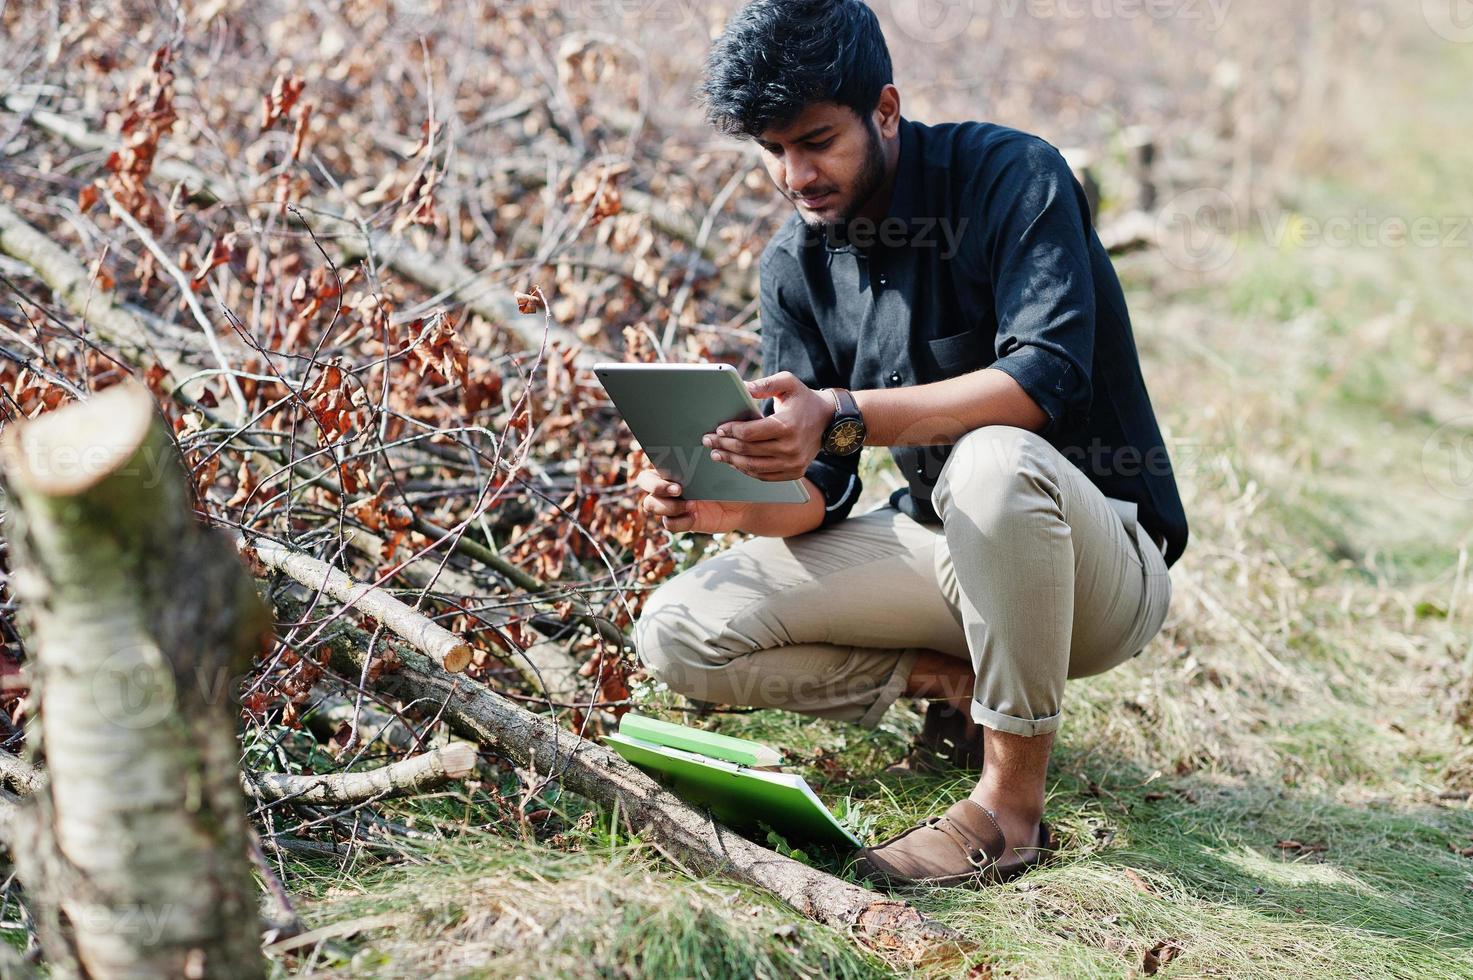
[[134, 852]]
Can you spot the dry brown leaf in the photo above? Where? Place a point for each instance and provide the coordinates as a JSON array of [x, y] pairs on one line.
[[1159, 955], [1140, 883]]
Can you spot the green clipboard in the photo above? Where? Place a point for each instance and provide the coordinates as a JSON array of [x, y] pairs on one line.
[[739, 794]]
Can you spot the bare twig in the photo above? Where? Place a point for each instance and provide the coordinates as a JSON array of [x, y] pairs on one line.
[[404, 778], [190, 300]]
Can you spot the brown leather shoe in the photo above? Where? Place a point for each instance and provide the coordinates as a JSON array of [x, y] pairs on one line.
[[949, 739], [960, 847]]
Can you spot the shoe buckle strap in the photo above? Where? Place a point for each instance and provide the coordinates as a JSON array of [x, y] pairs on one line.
[[956, 835], [980, 859]]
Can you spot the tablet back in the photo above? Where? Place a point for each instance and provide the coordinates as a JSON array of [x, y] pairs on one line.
[[669, 407]]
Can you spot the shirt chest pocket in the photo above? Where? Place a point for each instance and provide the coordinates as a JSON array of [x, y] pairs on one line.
[[958, 353], [950, 356]]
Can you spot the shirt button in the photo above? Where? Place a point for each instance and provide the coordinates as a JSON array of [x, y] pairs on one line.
[[883, 279], [895, 377]]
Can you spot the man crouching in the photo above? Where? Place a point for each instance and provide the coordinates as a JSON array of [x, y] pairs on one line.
[[939, 290]]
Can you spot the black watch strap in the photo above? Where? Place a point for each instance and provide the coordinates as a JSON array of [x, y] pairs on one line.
[[848, 408], [846, 431]]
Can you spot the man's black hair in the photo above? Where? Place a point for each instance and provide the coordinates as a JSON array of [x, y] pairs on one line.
[[776, 57]]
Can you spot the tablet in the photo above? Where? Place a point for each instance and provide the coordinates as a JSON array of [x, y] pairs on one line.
[[669, 407]]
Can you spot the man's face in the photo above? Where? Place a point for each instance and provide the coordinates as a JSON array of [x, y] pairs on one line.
[[828, 161]]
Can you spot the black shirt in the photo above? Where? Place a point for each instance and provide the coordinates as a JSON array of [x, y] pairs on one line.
[[987, 257]]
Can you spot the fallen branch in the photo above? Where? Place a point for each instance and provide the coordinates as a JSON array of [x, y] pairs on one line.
[[430, 638], [483, 296], [19, 776], [406, 777], [201, 186], [536, 742], [78, 291], [548, 666], [318, 849], [372, 725]]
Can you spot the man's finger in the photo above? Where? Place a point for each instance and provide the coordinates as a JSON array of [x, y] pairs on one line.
[[651, 482], [742, 447], [762, 467], [664, 506], [774, 384], [757, 430]]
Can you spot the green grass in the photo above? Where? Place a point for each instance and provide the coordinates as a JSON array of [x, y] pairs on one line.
[[1304, 688], [590, 902]]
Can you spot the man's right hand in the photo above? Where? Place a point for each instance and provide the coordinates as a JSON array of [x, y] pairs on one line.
[[662, 498]]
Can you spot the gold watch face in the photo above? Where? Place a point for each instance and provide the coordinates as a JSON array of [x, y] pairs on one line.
[[846, 437]]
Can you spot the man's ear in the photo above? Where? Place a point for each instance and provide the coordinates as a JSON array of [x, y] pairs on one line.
[[887, 112]]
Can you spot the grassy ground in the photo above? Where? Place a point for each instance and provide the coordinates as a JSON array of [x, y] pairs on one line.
[[1271, 789]]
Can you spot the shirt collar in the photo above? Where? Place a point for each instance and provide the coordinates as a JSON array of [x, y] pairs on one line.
[[898, 224]]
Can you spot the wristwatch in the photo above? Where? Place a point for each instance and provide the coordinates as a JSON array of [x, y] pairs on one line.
[[845, 433]]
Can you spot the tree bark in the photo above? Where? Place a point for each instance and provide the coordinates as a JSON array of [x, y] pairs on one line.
[[135, 849]]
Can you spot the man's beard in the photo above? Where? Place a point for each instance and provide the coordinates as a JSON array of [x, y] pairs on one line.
[[871, 178]]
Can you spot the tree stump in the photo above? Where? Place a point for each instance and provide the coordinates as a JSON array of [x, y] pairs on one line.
[[141, 621]]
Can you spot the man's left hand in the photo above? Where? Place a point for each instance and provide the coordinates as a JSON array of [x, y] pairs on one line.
[[780, 446]]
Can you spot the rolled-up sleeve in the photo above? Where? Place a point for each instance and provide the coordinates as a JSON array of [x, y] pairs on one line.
[[1039, 264], [791, 342]]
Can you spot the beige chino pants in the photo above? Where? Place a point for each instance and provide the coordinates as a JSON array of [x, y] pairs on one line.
[[1034, 576]]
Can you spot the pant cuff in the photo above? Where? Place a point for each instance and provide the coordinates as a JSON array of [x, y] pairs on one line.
[[998, 721], [892, 690]]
